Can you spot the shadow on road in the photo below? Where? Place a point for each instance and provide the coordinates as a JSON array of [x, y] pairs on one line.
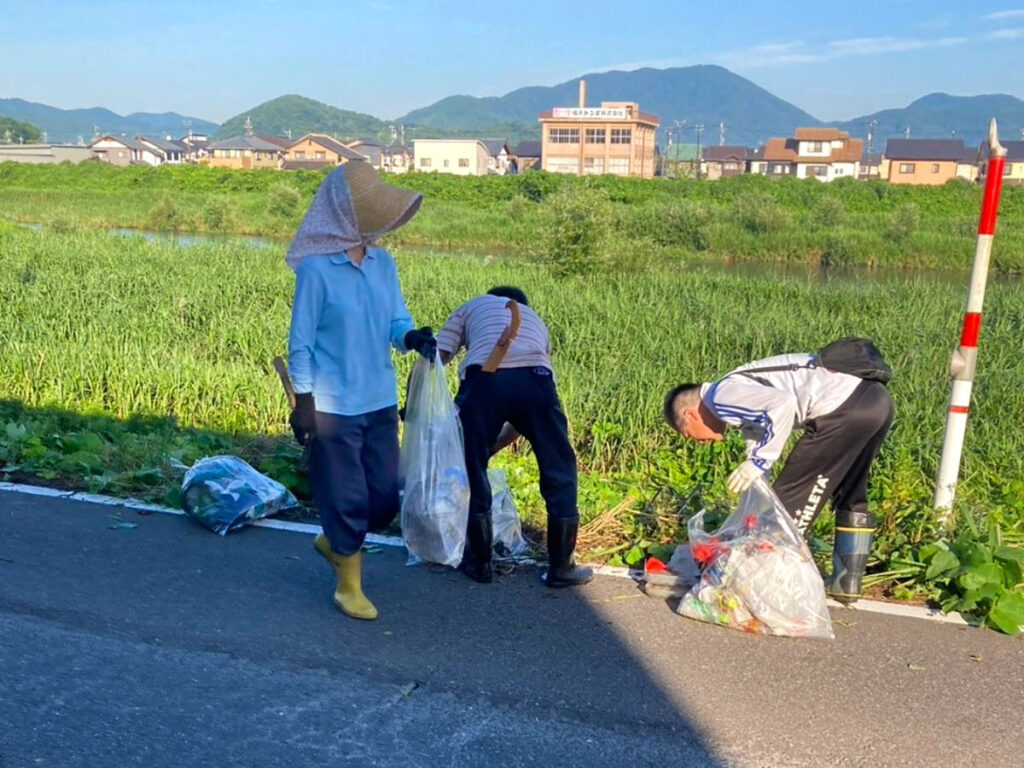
[[550, 656]]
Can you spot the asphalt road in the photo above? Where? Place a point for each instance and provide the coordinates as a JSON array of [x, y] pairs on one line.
[[164, 645]]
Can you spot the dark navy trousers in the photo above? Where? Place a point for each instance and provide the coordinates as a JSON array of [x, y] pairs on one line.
[[528, 400], [353, 471]]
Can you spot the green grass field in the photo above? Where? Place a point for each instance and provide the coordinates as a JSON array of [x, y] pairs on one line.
[[97, 324], [745, 218]]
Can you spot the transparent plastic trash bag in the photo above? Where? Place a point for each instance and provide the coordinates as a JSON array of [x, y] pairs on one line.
[[756, 572], [508, 531], [435, 486], [224, 493]]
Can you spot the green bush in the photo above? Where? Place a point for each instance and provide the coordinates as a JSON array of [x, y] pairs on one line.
[[905, 221], [574, 225], [220, 215], [283, 200], [519, 208], [684, 224], [759, 214], [166, 215], [828, 213]]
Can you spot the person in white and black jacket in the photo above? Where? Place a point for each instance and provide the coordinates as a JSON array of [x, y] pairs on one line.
[[845, 417]]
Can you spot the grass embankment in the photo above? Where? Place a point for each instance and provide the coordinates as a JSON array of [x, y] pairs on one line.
[[744, 218], [118, 355]]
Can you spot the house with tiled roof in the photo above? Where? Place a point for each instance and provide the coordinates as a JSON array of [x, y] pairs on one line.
[[870, 166], [927, 161], [196, 146], [318, 150], [245, 152], [724, 161], [500, 155], [825, 154], [395, 159], [527, 155], [116, 150], [166, 149], [1013, 171]]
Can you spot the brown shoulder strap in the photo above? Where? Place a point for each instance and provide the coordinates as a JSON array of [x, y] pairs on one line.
[[505, 340]]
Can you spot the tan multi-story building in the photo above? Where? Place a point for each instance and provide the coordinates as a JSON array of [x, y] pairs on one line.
[[615, 138]]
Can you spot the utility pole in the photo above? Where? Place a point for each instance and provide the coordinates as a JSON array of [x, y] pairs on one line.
[[680, 140], [699, 128]]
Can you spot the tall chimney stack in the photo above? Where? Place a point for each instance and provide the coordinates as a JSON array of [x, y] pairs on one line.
[[583, 93]]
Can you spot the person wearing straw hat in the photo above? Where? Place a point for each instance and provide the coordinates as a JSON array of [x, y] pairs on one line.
[[347, 313]]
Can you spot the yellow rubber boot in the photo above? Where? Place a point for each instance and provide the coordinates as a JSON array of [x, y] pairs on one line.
[[349, 593], [324, 548]]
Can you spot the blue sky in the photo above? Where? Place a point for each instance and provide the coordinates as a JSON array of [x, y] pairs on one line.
[[213, 59]]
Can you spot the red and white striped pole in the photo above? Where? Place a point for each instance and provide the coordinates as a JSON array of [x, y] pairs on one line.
[[965, 357]]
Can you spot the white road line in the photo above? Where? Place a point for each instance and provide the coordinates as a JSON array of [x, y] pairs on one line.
[[867, 606]]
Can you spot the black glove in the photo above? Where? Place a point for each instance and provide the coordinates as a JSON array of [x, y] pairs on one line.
[[422, 341], [303, 418]]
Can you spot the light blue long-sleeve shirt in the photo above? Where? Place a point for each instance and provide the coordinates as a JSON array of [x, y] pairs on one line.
[[344, 317]]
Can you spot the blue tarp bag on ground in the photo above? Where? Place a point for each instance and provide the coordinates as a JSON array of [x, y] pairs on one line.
[[224, 493]]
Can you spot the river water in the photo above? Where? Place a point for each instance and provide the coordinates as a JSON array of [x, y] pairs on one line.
[[761, 270]]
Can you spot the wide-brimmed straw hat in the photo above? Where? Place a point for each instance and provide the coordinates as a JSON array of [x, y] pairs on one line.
[[379, 207]]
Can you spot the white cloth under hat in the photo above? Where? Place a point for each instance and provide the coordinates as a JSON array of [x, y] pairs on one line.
[[353, 206]]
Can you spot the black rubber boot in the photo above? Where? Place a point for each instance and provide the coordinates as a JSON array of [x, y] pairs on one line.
[[854, 534], [562, 571], [476, 561]]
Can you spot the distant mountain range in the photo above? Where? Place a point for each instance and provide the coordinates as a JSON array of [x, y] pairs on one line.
[[68, 125], [700, 95], [941, 116], [710, 95], [299, 115]]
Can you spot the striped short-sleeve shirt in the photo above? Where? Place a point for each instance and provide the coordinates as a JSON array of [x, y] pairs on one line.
[[477, 326]]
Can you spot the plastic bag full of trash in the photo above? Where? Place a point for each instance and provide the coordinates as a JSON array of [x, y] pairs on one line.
[[756, 572], [508, 530], [435, 486], [224, 493]]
